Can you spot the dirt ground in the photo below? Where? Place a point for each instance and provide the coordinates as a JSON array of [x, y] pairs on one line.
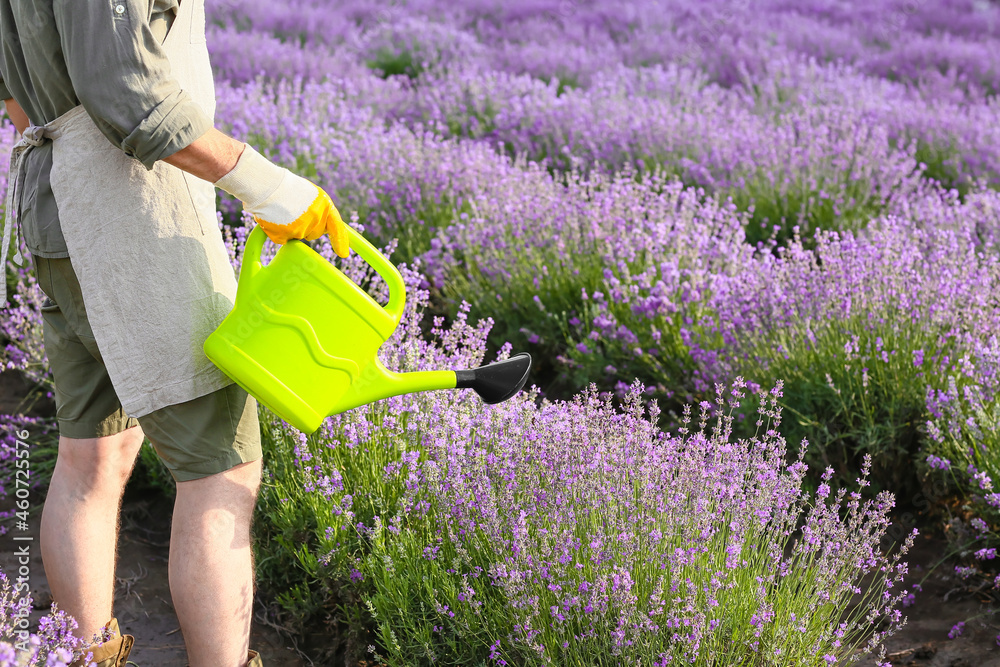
[[924, 641]]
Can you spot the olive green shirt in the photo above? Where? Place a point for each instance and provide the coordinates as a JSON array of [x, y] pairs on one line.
[[108, 56]]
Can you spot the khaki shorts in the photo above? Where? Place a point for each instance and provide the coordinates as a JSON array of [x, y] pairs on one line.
[[202, 437]]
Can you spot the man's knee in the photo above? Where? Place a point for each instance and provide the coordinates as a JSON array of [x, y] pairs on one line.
[[100, 462], [240, 481], [223, 497]]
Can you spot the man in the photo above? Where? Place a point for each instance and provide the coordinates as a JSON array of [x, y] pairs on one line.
[[112, 187]]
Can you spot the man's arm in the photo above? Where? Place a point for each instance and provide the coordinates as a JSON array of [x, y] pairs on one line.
[[285, 205], [17, 115], [121, 75], [210, 157]]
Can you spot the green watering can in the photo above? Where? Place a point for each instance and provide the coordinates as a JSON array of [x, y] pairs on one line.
[[303, 338]]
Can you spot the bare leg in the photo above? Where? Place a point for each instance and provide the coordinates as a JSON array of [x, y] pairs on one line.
[[79, 528], [211, 564]]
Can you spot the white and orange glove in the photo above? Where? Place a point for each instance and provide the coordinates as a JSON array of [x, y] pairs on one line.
[[285, 206]]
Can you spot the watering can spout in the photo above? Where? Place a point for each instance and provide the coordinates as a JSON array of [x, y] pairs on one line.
[[497, 382], [494, 382]]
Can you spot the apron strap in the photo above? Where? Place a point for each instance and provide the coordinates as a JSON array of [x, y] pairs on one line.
[[33, 136]]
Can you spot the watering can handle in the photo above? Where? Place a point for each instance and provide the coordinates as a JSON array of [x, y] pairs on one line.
[[397, 290]]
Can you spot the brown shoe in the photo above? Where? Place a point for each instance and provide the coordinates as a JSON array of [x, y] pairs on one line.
[[112, 653]]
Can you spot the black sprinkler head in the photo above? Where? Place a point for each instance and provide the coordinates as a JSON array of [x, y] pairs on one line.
[[499, 381]]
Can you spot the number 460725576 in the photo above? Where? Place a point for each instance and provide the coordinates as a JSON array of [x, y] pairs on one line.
[[23, 473]]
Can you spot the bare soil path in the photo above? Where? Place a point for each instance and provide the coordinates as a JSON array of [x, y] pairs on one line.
[[937, 608]]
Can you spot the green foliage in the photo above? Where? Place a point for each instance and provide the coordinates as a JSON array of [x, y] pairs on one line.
[[418, 604], [150, 474], [473, 122], [968, 433], [413, 238], [852, 388], [943, 164], [606, 342], [394, 62], [577, 299], [286, 534], [775, 210], [411, 233], [564, 81], [778, 201], [42, 446], [305, 166], [531, 306], [964, 438]]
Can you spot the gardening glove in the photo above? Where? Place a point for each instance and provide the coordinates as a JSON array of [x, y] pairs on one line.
[[285, 206]]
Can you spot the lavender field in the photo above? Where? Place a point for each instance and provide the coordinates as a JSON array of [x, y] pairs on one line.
[[754, 248]]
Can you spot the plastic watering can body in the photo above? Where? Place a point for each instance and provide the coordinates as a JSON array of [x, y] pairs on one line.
[[303, 338]]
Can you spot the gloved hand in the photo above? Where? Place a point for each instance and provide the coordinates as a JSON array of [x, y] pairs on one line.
[[285, 206]]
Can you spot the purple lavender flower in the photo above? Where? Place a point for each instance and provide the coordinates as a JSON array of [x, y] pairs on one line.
[[938, 463]]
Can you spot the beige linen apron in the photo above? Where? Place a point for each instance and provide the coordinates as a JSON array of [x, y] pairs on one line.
[[146, 245]]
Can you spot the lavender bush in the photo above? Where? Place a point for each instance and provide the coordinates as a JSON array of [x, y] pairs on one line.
[[963, 438], [21, 329], [553, 533], [862, 325], [41, 436], [608, 271], [817, 165]]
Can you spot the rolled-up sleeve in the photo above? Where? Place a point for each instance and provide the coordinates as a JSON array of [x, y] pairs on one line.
[[121, 75]]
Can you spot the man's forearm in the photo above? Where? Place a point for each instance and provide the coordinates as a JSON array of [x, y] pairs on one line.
[[17, 115], [209, 157]]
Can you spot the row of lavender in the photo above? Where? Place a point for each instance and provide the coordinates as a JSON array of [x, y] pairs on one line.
[[914, 40], [810, 144], [565, 167]]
